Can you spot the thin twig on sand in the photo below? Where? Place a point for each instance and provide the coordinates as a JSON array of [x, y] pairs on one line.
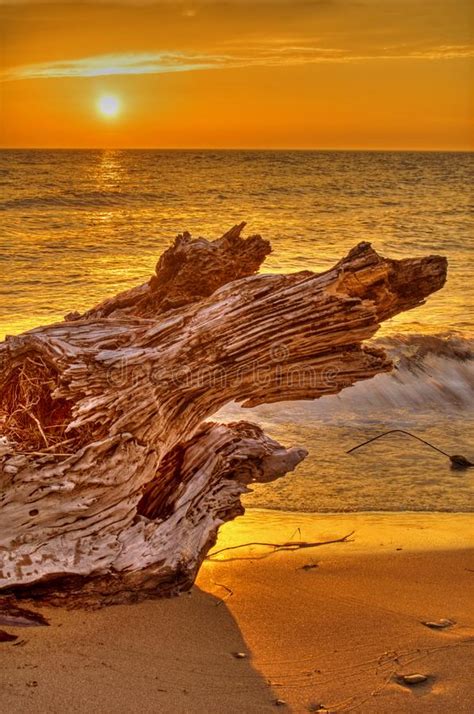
[[278, 547], [224, 587]]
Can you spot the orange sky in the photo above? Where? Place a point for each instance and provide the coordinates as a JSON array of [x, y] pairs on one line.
[[237, 73]]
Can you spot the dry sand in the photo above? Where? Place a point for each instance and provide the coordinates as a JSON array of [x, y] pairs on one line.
[[335, 635]]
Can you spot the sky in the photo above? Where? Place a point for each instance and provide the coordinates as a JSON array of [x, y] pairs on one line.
[[309, 74]]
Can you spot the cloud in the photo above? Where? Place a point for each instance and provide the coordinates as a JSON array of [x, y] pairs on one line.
[[108, 65], [270, 55]]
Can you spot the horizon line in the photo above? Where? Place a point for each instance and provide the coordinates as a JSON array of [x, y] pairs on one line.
[[232, 148]]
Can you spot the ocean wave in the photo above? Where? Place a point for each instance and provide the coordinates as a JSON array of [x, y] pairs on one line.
[[433, 377], [431, 372], [411, 350]]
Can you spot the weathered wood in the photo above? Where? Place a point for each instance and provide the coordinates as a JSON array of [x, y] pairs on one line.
[[113, 485]]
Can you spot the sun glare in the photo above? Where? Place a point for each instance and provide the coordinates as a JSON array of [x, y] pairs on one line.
[[108, 105]]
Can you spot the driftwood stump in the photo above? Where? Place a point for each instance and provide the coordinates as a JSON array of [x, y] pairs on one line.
[[113, 484]]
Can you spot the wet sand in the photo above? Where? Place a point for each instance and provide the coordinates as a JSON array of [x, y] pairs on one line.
[[326, 627]]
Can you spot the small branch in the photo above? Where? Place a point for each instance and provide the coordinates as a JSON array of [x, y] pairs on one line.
[[398, 431], [224, 587], [289, 546], [45, 452], [457, 461], [40, 428]]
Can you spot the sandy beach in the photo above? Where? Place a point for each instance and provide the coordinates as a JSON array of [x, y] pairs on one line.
[[330, 627]]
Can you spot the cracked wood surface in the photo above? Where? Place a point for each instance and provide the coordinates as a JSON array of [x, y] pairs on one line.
[[113, 485]]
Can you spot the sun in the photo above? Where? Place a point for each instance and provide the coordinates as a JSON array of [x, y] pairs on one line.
[[108, 105]]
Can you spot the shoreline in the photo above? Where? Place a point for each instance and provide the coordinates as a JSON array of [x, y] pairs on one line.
[[257, 520], [336, 633]]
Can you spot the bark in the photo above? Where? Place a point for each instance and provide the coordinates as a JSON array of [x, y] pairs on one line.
[[113, 484]]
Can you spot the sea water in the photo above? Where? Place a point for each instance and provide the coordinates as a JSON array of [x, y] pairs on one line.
[[77, 226]]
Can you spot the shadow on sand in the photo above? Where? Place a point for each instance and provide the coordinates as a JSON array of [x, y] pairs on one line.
[[158, 656]]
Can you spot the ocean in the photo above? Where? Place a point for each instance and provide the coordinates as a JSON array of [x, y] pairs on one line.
[[77, 226]]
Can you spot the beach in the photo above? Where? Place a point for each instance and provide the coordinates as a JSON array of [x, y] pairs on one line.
[[326, 627]]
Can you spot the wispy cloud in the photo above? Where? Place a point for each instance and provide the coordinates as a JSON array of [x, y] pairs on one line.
[[104, 65], [277, 55]]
